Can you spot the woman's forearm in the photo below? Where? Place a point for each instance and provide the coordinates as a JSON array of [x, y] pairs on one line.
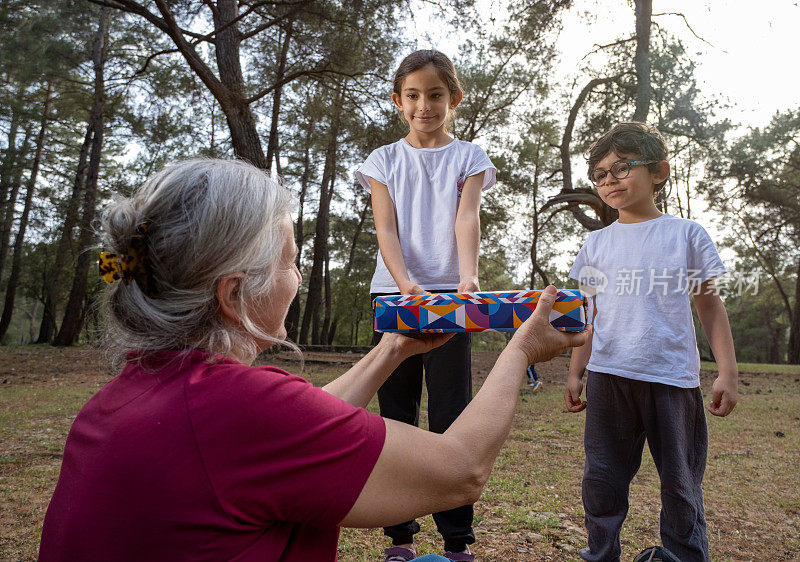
[[360, 383], [483, 426]]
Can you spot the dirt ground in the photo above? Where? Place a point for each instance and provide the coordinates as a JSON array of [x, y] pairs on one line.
[[531, 507]]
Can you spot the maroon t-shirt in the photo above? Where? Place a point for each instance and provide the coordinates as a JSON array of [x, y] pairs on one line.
[[181, 459]]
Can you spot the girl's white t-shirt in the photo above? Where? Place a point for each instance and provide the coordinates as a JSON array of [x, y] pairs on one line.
[[643, 274], [425, 186]]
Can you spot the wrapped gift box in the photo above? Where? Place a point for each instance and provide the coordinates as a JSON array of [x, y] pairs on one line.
[[475, 312]]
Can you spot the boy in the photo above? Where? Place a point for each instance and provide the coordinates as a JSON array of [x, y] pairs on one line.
[[642, 361]]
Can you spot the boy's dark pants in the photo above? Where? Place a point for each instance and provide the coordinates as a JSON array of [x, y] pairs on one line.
[[448, 378], [620, 414]]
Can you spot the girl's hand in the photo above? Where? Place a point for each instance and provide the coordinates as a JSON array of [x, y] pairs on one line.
[[406, 345], [469, 285], [411, 288]]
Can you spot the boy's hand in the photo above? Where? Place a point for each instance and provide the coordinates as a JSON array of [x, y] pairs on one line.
[[572, 394], [469, 285], [724, 395]]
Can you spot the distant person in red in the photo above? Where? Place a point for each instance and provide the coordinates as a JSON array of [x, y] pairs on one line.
[[190, 453]]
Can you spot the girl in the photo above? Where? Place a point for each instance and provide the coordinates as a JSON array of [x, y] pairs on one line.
[[426, 193]]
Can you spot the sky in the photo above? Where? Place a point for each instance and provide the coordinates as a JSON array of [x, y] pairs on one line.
[[751, 59]]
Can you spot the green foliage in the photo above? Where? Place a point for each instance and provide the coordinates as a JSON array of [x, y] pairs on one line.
[[756, 179], [759, 325]]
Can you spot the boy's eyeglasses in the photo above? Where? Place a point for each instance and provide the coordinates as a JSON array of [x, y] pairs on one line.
[[619, 169]]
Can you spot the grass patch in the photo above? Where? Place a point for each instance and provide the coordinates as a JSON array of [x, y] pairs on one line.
[[531, 507], [757, 368]]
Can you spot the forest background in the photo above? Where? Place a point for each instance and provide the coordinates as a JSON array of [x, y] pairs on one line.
[[95, 95]]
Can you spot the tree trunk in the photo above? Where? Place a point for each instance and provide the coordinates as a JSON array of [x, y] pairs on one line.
[[244, 136], [13, 279], [326, 336], [10, 205], [228, 89], [292, 321], [348, 267], [315, 282], [73, 314], [774, 347], [32, 324], [326, 322], [48, 325], [351, 256], [241, 121], [272, 145], [53, 278], [641, 61], [569, 195], [7, 166], [535, 267], [794, 330]]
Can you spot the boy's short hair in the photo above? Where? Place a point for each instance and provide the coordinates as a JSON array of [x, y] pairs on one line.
[[637, 138]]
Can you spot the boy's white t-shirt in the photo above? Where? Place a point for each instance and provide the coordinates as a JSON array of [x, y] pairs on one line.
[[644, 274], [425, 186]]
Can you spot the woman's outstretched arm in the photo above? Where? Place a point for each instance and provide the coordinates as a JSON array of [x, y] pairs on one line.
[[359, 384], [420, 472]]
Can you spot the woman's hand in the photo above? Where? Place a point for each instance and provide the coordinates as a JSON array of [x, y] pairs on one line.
[[538, 339], [406, 345]]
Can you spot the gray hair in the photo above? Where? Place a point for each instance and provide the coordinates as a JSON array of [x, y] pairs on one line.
[[205, 219]]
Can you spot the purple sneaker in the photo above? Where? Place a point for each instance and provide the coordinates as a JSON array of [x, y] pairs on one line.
[[398, 554], [460, 556]]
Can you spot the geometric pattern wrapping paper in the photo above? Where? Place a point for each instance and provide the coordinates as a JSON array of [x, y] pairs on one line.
[[492, 311]]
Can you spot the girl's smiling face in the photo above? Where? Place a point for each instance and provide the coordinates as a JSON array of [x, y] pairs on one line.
[[425, 101]]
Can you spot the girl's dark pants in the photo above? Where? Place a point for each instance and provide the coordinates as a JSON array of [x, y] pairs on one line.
[[620, 414], [448, 378]]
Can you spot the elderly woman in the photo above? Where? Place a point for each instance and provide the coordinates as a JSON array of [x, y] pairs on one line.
[[190, 453]]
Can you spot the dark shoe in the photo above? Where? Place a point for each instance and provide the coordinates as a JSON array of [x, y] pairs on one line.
[[656, 554], [460, 556], [398, 554]]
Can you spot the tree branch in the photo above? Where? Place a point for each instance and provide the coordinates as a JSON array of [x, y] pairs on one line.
[[135, 8], [599, 48], [274, 21], [319, 72], [151, 57], [684, 21]]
